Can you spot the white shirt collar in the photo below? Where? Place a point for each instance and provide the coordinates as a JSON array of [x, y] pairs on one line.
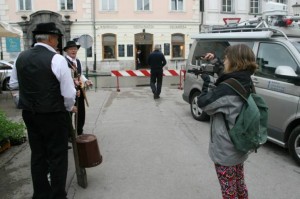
[[46, 46], [70, 58]]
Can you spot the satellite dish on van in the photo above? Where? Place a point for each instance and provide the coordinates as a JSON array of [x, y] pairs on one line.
[[86, 41]]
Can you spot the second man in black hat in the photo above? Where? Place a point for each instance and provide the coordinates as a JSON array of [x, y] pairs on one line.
[[80, 80]]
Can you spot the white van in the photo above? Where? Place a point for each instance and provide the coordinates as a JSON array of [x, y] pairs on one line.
[[277, 80]]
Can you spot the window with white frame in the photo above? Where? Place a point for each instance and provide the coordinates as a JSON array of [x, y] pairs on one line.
[[25, 4], [143, 4], [66, 5], [227, 5], [109, 46], [177, 43], [282, 1], [108, 5], [254, 6], [177, 5]]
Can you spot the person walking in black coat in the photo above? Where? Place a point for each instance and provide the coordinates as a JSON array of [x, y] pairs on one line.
[[157, 61]]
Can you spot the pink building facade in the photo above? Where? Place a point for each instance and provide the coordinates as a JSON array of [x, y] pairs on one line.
[[120, 28]]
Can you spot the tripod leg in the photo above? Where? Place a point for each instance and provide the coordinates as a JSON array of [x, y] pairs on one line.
[[80, 172]]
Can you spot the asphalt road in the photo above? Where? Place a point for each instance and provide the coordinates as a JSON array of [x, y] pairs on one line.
[[151, 149]]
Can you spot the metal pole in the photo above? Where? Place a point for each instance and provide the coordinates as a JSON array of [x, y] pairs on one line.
[[86, 66], [94, 29], [1, 48]]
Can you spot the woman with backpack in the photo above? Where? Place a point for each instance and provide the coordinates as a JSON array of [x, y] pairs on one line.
[[222, 103]]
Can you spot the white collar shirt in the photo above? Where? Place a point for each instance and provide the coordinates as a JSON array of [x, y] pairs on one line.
[[82, 77]]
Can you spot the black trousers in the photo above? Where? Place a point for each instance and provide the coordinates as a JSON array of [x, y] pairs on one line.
[[48, 140], [81, 113], [156, 81]]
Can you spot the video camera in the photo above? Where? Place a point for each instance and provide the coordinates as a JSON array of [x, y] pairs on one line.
[[212, 67]]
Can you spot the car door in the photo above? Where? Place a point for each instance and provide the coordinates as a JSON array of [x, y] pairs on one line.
[[281, 96], [4, 68]]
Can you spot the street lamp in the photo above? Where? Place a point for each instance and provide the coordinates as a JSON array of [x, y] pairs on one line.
[[296, 9]]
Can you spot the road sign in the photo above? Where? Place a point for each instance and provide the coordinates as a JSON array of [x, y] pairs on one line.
[[86, 41]]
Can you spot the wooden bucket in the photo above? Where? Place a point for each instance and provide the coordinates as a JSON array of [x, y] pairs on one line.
[[88, 151]]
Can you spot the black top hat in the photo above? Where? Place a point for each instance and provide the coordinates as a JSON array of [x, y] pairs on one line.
[[47, 28], [71, 44]]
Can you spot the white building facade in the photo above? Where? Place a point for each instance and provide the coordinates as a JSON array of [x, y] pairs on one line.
[[119, 28]]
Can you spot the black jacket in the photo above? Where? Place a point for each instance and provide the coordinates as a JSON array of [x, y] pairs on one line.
[[156, 60]]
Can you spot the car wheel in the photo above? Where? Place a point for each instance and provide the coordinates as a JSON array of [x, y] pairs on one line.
[[5, 84], [294, 144], [197, 113]]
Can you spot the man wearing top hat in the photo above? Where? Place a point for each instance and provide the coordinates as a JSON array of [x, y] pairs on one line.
[[80, 81], [47, 94]]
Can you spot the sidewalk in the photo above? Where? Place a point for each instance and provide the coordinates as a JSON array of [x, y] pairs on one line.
[[147, 154], [140, 159], [15, 180], [152, 149]]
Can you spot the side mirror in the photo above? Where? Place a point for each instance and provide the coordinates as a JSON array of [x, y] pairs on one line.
[[287, 72]]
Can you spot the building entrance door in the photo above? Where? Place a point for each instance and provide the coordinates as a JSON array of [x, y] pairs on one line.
[[142, 54], [143, 48]]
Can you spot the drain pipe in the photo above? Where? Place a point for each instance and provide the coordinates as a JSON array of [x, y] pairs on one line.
[[201, 23], [201, 9], [94, 29]]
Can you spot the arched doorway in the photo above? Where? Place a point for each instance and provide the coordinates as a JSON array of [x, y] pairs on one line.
[[44, 16], [143, 47]]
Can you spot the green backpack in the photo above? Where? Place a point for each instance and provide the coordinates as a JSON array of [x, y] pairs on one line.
[[250, 129]]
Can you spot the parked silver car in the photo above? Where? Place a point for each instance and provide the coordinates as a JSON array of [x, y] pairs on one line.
[[277, 80], [5, 72]]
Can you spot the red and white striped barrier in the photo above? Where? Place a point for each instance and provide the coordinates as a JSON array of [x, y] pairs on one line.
[[144, 73]]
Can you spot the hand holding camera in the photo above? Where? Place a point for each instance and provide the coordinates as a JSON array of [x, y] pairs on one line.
[[211, 65], [207, 56]]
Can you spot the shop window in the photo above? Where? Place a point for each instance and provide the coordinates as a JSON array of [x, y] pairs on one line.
[[282, 1], [121, 51], [89, 52], [177, 46], [129, 50], [166, 49], [25, 5], [109, 46]]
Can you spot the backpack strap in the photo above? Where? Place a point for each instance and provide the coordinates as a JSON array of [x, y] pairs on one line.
[[237, 87]]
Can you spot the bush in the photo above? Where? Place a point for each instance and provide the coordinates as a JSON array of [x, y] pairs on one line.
[[10, 129]]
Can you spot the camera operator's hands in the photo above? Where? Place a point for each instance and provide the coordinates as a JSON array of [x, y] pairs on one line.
[[208, 56], [207, 81], [205, 77]]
